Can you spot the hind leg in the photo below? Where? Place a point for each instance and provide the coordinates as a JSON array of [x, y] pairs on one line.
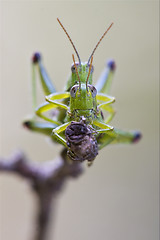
[[104, 82], [46, 83]]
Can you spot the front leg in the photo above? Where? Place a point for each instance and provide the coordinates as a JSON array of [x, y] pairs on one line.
[[58, 96], [59, 129], [112, 112], [52, 104], [42, 109], [104, 99], [104, 128], [105, 105]]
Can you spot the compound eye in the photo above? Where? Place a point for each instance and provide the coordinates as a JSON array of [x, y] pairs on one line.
[[93, 90], [73, 90], [73, 69]]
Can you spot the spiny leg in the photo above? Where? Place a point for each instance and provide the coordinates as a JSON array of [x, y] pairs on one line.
[[51, 105], [112, 112], [105, 99], [39, 127], [58, 130], [44, 108], [104, 128], [47, 87], [105, 105], [104, 82], [118, 136], [58, 96], [46, 83]]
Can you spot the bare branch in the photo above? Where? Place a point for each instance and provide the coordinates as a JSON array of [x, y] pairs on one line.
[[46, 181]]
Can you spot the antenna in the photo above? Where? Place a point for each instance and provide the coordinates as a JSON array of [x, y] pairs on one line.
[[99, 42], [69, 40], [89, 72], [77, 72]]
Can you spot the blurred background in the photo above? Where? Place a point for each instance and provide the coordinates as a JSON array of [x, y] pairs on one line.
[[116, 198]]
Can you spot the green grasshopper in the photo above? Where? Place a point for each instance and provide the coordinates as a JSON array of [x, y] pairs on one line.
[[76, 112]]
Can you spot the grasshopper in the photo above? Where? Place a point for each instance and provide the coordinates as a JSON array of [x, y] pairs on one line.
[[76, 117]]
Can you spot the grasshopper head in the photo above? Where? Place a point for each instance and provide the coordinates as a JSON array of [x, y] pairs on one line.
[[80, 72], [83, 93], [82, 100]]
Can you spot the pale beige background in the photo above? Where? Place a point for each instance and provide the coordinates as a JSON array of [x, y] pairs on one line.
[[117, 198]]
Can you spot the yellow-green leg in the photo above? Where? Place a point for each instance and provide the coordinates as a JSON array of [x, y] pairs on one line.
[[109, 109], [47, 85], [104, 82], [51, 104], [58, 130], [48, 88], [104, 128], [118, 136], [58, 96], [39, 127], [104, 103]]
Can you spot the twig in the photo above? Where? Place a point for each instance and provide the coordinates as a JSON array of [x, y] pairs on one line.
[[46, 180]]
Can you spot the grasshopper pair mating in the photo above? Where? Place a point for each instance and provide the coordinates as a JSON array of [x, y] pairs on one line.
[[76, 117]]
